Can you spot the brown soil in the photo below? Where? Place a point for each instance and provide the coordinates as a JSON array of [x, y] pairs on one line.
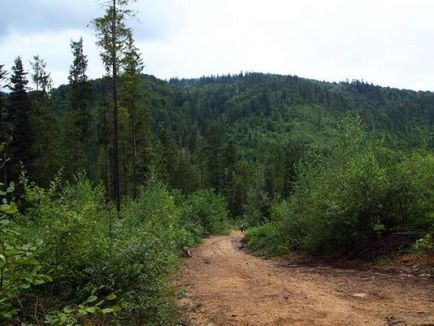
[[224, 285]]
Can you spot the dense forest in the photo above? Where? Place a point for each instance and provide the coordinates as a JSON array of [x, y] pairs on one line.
[[105, 181]]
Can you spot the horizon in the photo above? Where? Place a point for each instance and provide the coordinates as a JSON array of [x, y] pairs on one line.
[[168, 80], [383, 44]]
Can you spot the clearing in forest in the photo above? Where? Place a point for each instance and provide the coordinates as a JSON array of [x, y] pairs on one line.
[[226, 286]]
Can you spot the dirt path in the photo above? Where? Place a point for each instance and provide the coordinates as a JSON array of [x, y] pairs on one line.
[[226, 286]]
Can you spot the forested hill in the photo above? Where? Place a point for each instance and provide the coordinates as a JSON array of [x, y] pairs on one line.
[[275, 98], [233, 133]]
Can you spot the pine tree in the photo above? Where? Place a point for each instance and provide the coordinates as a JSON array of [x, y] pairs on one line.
[[112, 34], [4, 126], [79, 119], [132, 97], [168, 157], [19, 149], [103, 135], [46, 147], [230, 160], [214, 157], [40, 77]]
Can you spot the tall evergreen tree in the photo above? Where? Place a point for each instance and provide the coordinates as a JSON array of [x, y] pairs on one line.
[[18, 107], [47, 146], [214, 156], [3, 124], [79, 118], [4, 127], [40, 77], [103, 128], [113, 34], [132, 97]]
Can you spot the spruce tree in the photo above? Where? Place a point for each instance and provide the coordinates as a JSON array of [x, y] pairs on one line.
[[3, 124], [18, 107], [103, 132], [46, 147], [112, 34], [132, 98], [79, 119], [4, 127], [40, 77]]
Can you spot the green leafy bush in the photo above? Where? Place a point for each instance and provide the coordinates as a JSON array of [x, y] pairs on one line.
[[267, 239], [70, 257], [19, 269], [425, 245], [206, 213], [348, 200]]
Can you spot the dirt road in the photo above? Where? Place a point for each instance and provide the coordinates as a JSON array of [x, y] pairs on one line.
[[226, 286]]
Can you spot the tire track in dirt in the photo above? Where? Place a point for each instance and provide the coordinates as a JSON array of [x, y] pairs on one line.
[[226, 286]]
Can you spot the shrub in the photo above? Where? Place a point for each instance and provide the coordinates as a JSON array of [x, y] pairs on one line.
[[349, 200], [76, 256], [206, 213], [19, 269], [267, 239]]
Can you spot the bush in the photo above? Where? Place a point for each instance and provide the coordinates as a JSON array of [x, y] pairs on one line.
[[19, 269], [349, 200], [425, 245], [267, 239], [78, 258], [206, 213]]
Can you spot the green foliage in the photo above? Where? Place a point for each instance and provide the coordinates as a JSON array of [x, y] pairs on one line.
[[78, 117], [206, 213], [71, 315], [425, 245], [350, 199], [19, 268], [70, 256], [18, 107], [267, 239]]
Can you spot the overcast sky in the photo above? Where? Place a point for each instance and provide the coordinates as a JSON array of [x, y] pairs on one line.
[[387, 42]]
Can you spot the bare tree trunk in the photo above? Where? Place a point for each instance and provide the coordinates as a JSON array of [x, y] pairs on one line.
[[124, 153], [116, 190], [134, 145]]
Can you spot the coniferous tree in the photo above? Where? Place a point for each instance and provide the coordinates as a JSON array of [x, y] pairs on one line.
[[18, 107], [230, 160], [112, 34], [78, 132], [132, 98], [3, 123], [167, 157], [40, 77], [103, 135], [4, 126], [214, 155], [47, 146]]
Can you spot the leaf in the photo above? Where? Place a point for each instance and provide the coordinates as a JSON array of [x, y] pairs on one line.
[[111, 297], [92, 298], [8, 208], [116, 308], [11, 187], [46, 277], [91, 310], [107, 310]]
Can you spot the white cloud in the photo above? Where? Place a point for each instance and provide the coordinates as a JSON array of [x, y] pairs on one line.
[[386, 42], [54, 48]]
